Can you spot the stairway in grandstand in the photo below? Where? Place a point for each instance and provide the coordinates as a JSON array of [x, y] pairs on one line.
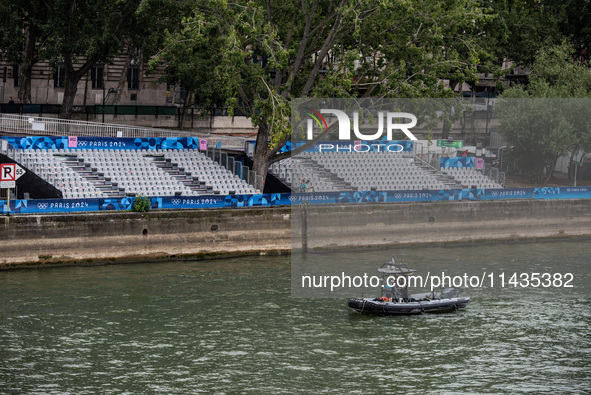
[[447, 181], [178, 172], [308, 168], [102, 173]]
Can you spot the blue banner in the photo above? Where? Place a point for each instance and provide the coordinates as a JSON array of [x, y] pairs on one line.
[[107, 143], [467, 161], [508, 193], [285, 199], [220, 201], [391, 196], [125, 204], [51, 206], [562, 193]]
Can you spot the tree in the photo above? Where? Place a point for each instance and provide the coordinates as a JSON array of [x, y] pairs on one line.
[[190, 55], [269, 52], [149, 30], [86, 33], [521, 28], [23, 38], [545, 120], [77, 34]]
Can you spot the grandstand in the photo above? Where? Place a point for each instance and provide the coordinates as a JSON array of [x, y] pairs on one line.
[[353, 171], [170, 164], [107, 167], [102, 173], [115, 173]]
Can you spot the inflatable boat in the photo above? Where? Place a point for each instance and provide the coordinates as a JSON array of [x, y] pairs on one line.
[[395, 298]]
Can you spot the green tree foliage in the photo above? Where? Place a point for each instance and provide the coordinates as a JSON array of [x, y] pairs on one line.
[[141, 204], [190, 55], [550, 117], [519, 29], [260, 54]]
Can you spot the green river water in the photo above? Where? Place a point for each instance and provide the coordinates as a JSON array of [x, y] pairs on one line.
[[232, 326]]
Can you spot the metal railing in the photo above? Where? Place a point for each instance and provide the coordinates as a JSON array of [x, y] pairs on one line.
[[494, 174], [237, 168], [43, 126], [423, 151], [217, 141], [430, 160]]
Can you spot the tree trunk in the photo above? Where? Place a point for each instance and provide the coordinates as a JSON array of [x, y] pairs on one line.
[[551, 169], [123, 76], [70, 89], [86, 89], [446, 128], [186, 103], [570, 169], [26, 67], [261, 156], [73, 76]]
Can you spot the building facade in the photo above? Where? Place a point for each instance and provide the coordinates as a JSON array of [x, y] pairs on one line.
[[129, 81]]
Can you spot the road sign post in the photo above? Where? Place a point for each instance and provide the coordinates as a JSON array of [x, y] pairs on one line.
[[9, 173]]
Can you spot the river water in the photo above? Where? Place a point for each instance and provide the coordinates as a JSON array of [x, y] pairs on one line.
[[231, 326]]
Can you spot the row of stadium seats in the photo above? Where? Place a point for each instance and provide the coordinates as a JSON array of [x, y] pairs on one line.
[[350, 171], [92, 173]]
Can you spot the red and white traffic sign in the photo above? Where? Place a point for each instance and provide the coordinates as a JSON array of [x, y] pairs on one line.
[[10, 172]]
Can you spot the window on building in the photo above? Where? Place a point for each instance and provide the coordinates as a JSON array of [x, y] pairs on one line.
[[133, 77], [15, 72], [59, 76], [97, 76]]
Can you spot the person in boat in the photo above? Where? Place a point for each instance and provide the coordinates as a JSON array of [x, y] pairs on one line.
[[403, 292]]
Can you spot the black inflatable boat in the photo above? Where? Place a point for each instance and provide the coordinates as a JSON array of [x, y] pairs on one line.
[[396, 300]]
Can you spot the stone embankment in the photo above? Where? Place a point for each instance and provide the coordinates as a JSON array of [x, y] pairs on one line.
[[96, 238]]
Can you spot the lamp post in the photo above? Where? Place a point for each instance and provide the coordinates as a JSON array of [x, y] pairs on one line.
[[105, 97]]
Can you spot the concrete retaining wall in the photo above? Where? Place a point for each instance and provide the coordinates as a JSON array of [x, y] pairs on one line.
[[45, 240], [99, 238], [401, 223]]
